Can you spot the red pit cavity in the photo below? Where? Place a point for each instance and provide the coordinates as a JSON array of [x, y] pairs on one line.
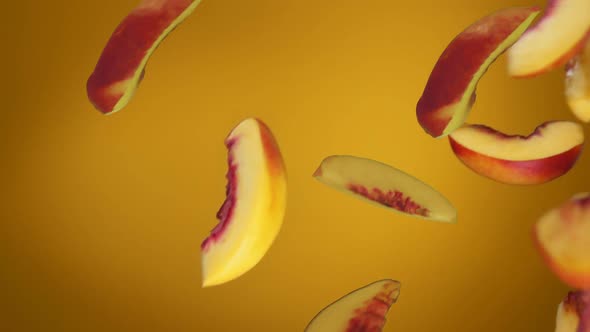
[[393, 199], [226, 210], [371, 317]]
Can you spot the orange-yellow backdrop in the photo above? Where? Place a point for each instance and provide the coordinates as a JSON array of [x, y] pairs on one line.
[[102, 216]]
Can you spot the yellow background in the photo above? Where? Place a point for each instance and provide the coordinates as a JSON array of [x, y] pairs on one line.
[[102, 216]]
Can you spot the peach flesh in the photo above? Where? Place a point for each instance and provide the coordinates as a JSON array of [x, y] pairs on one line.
[[393, 199], [574, 310], [371, 317]]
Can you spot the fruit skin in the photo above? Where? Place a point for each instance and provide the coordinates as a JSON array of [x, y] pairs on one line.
[[573, 313], [385, 186], [253, 213], [577, 84], [121, 65], [562, 237], [552, 41], [513, 170], [450, 91], [361, 310]]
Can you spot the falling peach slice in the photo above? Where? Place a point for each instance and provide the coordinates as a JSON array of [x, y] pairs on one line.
[[562, 235], [363, 310], [549, 152], [385, 186], [121, 65], [577, 84], [573, 313], [252, 214]]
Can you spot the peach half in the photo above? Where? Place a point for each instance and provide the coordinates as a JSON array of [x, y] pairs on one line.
[[450, 91], [362, 310], [121, 65], [252, 213], [562, 235], [577, 84], [573, 313], [548, 153], [385, 186], [553, 41]]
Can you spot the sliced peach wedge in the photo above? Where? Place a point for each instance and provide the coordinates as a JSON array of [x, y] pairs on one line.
[[553, 41], [562, 235], [385, 186], [364, 309], [546, 154], [121, 65], [573, 313], [577, 84], [450, 91], [252, 213]]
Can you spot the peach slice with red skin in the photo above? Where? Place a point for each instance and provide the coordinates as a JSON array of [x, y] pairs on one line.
[[562, 236], [252, 213], [577, 84], [554, 40], [363, 310], [450, 91], [546, 154], [121, 65], [573, 313], [385, 186]]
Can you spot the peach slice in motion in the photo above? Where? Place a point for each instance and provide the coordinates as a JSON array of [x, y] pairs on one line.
[[252, 213], [573, 313], [121, 65], [548, 153], [450, 91], [363, 310], [553, 41], [562, 236], [577, 84], [385, 186]]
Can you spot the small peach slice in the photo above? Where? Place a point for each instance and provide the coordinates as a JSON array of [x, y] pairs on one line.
[[385, 186], [362, 310], [252, 213], [562, 236], [573, 313], [577, 84], [548, 153], [450, 91], [555, 39], [121, 65]]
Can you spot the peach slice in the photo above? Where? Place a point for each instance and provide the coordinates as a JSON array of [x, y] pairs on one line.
[[361, 310], [555, 39], [573, 313], [548, 153], [252, 213], [577, 84], [562, 235], [385, 186], [450, 91], [121, 65]]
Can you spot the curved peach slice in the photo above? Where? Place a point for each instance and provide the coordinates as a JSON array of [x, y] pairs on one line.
[[450, 90], [577, 84], [121, 65], [252, 214], [562, 235], [548, 153], [385, 186], [361, 310], [573, 313], [556, 38]]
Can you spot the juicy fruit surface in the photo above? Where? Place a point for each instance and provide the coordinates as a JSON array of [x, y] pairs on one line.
[[252, 214], [450, 90], [573, 313], [363, 310], [563, 237], [385, 186], [557, 37], [577, 84]]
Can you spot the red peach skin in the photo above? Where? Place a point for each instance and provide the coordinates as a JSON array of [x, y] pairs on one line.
[[573, 313]]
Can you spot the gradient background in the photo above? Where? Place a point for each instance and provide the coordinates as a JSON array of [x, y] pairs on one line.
[[102, 216]]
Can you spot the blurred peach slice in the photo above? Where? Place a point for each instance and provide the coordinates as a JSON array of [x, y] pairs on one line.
[[363, 310], [573, 313], [577, 84], [252, 213], [385, 186]]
